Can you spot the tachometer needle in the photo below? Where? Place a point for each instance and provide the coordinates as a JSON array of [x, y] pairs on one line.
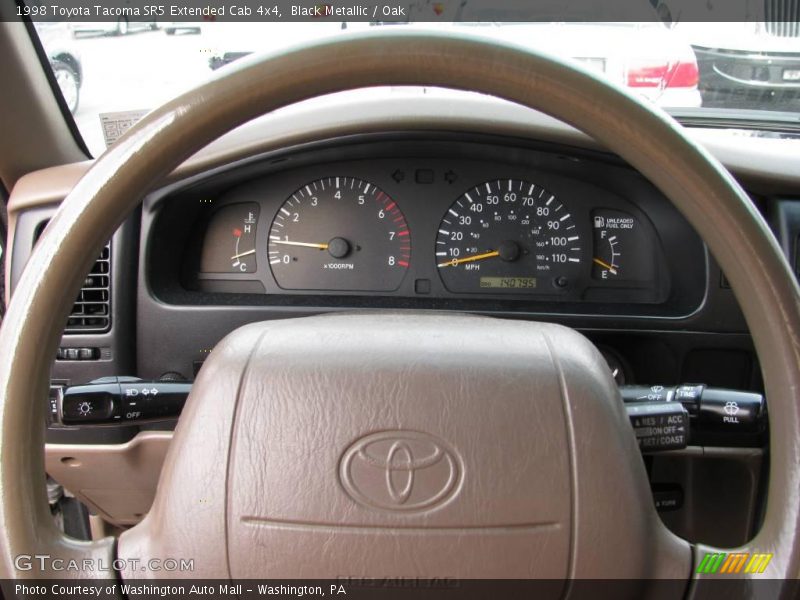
[[457, 261], [305, 244], [240, 255], [610, 268]]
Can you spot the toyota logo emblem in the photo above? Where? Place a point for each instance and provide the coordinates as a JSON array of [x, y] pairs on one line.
[[401, 471]]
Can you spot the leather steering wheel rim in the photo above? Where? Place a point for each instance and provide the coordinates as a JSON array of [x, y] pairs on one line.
[[651, 142]]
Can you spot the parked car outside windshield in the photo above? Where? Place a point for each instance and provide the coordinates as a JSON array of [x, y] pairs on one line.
[[747, 65], [64, 57]]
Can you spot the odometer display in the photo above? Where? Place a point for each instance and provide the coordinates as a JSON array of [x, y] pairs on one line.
[[516, 283], [339, 233], [508, 236]]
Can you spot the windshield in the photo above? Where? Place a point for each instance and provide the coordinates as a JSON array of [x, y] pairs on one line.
[[112, 72]]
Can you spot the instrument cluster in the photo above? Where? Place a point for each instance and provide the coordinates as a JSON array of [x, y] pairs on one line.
[[433, 225], [503, 236]]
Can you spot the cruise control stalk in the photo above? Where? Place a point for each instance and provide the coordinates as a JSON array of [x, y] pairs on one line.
[[669, 418]]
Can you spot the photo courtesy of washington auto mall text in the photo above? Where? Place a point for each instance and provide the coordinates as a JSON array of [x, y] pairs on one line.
[[76, 589]]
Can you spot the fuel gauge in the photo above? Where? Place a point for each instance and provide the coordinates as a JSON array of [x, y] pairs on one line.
[[230, 241], [622, 251]]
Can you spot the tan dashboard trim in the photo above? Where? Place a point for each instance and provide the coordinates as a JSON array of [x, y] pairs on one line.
[[116, 481]]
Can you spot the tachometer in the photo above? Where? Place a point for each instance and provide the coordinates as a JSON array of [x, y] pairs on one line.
[[339, 233], [508, 236]]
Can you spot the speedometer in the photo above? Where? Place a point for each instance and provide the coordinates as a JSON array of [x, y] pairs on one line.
[[508, 236], [339, 233]]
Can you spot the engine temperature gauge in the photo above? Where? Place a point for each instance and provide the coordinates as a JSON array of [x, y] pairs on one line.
[[230, 242]]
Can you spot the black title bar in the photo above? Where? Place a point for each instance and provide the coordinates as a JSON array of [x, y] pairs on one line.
[[399, 11]]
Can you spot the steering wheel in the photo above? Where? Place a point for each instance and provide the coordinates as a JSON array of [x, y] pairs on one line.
[[381, 457]]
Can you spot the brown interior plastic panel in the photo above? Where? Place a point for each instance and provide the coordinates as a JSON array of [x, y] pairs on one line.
[[116, 481]]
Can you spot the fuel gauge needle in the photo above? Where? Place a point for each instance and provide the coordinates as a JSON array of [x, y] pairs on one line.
[[248, 253], [610, 268], [304, 244]]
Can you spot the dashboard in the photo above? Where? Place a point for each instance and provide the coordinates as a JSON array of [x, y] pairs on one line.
[[488, 223], [421, 223]]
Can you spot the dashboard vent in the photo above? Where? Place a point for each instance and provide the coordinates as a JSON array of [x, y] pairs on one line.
[[782, 17], [92, 310]]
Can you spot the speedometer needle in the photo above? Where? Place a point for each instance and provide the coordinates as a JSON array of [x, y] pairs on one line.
[[457, 261], [305, 244], [610, 268], [248, 253]]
